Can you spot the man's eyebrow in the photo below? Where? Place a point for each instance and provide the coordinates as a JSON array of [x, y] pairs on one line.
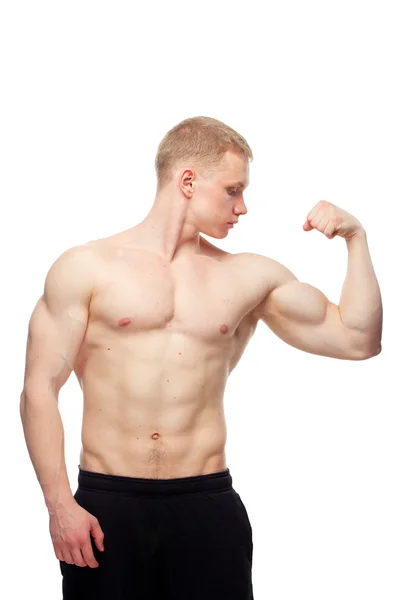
[[237, 184]]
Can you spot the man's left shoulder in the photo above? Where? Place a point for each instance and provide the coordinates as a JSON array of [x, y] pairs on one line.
[[266, 271], [255, 262]]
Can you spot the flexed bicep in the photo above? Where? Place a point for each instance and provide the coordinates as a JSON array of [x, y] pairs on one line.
[[302, 316]]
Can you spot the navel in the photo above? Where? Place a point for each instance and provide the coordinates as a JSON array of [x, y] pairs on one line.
[[155, 436], [224, 329], [124, 321]]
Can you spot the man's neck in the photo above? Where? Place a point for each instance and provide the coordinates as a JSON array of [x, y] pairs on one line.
[[166, 231]]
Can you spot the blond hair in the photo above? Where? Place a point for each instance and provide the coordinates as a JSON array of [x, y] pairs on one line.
[[202, 140]]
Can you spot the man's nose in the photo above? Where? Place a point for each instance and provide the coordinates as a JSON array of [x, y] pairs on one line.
[[241, 208]]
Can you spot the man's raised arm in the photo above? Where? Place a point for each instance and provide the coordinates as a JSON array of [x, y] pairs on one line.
[[303, 316]]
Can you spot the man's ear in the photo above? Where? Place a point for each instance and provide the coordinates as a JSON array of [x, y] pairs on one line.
[[187, 182]]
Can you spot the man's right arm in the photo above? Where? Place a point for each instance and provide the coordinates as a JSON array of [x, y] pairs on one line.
[[56, 330]]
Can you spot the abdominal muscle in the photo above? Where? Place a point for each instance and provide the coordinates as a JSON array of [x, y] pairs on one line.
[[150, 411]]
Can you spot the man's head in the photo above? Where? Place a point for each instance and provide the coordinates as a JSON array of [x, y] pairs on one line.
[[207, 163]]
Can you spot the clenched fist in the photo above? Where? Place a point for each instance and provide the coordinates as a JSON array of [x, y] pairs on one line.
[[332, 220]]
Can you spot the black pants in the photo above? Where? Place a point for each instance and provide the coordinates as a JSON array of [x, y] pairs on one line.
[[172, 539]]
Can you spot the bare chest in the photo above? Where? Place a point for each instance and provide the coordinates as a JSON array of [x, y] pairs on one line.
[[200, 297]]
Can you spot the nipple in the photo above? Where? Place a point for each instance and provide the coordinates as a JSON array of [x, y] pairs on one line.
[[155, 436], [124, 321], [224, 329]]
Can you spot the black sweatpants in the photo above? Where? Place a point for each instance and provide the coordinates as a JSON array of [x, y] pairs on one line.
[[172, 539]]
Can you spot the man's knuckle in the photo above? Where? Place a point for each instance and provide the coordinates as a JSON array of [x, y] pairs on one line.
[[81, 540]]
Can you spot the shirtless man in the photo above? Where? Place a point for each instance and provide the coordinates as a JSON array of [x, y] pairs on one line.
[[152, 321]]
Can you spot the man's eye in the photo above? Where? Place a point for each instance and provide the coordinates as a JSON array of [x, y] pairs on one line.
[[232, 192]]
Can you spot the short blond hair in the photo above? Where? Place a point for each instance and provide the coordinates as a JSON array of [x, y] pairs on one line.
[[203, 140]]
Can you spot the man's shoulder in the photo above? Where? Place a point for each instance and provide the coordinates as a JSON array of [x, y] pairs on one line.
[[81, 254], [71, 276], [266, 270], [255, 261], [96, 250], [77, 264]]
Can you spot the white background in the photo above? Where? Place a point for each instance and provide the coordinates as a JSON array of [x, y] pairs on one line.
[[88, 90]]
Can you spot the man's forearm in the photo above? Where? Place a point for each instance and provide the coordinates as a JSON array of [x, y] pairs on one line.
[[44, 435], [360, 302]]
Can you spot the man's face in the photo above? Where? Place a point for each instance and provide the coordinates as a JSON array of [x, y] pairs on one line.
[[218, 200]]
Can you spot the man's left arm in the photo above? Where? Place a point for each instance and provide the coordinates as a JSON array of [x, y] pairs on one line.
[[303, 317]]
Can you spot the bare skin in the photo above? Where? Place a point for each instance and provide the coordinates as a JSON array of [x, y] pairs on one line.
[[166, 421], [152, 321]]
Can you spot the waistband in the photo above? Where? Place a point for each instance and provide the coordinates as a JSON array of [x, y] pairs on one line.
[[211, 482]]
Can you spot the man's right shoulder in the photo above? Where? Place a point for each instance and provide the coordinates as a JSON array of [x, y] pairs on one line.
[[82, 254], [74, 268]]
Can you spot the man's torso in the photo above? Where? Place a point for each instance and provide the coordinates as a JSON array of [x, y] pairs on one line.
[[161, 340]]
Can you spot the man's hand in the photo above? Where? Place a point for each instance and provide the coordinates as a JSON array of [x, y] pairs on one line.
[[70, 529], [332, 220]]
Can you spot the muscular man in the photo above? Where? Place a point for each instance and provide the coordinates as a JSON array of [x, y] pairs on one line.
[[152, 320]]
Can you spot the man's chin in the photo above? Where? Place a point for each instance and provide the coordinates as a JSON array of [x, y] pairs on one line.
[[217, 234]]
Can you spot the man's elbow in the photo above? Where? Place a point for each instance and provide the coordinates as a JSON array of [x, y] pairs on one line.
[[365, 354]]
